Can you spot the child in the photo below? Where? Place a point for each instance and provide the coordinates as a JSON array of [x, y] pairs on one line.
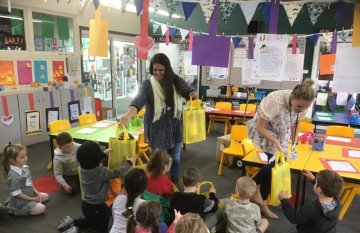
[[158, 182], [241, 214], [125, 205], [65, 163], [24, 198], [146, 219], [95, 183], [189, 223], [322, 214], [191, 202]]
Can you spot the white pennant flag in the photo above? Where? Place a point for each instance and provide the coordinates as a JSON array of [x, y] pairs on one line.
[[208, 8], [327, 38], [183, 33], [249, 9], [292, 10], [163, 28], [155, 4]]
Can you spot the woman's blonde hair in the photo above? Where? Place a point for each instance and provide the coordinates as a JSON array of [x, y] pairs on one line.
[[304, 91], [10, 153], [190, 223]]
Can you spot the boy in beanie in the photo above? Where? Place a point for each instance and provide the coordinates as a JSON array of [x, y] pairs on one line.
[[95, 183]]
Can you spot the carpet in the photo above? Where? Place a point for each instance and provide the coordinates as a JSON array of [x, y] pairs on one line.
[[47, 184]]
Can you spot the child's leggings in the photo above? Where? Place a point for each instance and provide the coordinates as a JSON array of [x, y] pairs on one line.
[[40, 208]]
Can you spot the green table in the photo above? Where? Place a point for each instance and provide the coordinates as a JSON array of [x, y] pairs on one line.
[[100, 135]]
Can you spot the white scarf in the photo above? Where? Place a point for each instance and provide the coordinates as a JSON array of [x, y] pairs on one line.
[[159, 100]]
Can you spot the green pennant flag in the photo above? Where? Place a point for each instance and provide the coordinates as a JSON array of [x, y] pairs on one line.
[[17, 26], [63, 28], [47, 26]]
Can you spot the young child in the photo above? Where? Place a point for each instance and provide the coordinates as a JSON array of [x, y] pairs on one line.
[[322, 214], [189, 223], [24, 198], [146, 219], [242, 215], [126, 204], [95, 182], [158, 182], [66, 164], [191, 202]]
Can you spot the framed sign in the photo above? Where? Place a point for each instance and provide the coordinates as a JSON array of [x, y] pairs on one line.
[[52, 114], [33, 125], [74, 111]]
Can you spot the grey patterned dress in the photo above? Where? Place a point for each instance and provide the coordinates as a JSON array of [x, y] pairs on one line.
[[166, 131]]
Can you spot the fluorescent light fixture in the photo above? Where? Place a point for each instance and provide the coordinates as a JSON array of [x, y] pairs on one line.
[[11, 17], [42, 21]]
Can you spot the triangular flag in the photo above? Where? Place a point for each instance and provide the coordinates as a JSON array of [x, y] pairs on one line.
[[236, 41], [139, 6], [226, 9], [155, 4], [95, 2], [356, 26], [163, 28], [123, 5], [301, 41], [248, 9], [188, 8], [341, 11], [327, 38], [292, 11], [171, 5], [315, 9], [183, 33], [343, 35], [208, 9], [155, 26], [314, 38], [266, 11], [173, 31]]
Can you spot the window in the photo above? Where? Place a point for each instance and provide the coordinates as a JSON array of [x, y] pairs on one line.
[[53, 33], [12, 36]]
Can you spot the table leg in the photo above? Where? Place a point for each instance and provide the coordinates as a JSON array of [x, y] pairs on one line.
[[303, 191], [297, 189]]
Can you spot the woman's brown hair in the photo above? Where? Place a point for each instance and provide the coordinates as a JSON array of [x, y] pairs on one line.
[[304, 91]]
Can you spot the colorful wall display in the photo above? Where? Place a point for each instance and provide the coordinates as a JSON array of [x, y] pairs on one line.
[[58, 70], [24, 69], [41, 74], [7, 76]]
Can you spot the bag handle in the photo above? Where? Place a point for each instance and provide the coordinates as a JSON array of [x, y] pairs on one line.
[[279, 156], [126, 134], [204, 183]]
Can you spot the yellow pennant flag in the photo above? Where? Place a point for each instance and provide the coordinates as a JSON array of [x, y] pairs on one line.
[[356, 26], [99, 29]]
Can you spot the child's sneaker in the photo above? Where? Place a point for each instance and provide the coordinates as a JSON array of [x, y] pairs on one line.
[[66, 223], [72, 229]]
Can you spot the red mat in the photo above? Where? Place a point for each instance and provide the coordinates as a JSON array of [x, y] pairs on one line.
[[47, 184]]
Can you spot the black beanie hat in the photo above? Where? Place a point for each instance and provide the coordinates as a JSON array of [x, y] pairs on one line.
[[89, 155]]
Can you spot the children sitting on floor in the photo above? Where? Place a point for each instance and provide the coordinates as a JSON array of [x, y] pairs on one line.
[[242, 215], [66, 164], [322, 214], [95, 182], [188, 223], [24, 198], [191, 202]]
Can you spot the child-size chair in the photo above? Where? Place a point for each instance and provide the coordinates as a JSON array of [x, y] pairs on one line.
[[225, 119], [87, 119], [57, 126], [143, 147], [251, 108], [237, 134], [340, 131], [306, 127], [248, 146], [348, 194]]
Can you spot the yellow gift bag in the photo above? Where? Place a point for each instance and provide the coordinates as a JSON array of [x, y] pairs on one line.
[[194, 122], [120, 149], [280, 178]]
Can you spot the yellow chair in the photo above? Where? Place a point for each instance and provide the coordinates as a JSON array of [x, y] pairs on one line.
[[306, 127], [248, 146], [307, 120], [141, 112], [237, 134], [250, 108], [215, 118], [87, 119], [143, 147], [348, 194], [57, 126], [340, 131]]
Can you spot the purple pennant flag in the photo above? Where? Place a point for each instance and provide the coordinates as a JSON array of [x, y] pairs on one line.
[[211, 50], [96, 3], [314, 38], [334, 42], [236, 41], [173, 31], [188, 8], [139, 6], [251, 48], [266, 11], [274, 16]]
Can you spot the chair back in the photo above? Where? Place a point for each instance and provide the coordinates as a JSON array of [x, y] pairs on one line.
[[250, 107], [141, 112], [87, 119], [59, 125], [223, 105], [238, 133], [247, 146], [306, 127], [340, 131], [141, 139]]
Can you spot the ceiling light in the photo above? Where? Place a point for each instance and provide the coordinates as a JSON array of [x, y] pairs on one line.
[[11, 17]]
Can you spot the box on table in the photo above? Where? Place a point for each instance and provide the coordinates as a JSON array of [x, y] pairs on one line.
[[221, 143]]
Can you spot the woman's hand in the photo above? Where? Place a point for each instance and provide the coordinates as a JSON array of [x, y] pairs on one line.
[[308, 175], [193, 95], [124, 120]]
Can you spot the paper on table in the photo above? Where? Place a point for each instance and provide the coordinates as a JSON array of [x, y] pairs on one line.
[[321, 99], [263, 157], [354, 153], [102, 124], [322, 113], [338, 139], [341, 98], [215, 109], [325, 118], [240, 111], [343, 166], [87, 130]]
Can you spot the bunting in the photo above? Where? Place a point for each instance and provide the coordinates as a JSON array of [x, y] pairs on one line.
[[208, 8], [171, 6], [343, 9], [183, 33], [292, 11], [139, 6], [155, 26], [327, 38], [315, 9], [188, 8], [301, 41], [236, 41], [314, 38], [155, 4], [274, 16], [163, 28], [248, 9], [226, 9]]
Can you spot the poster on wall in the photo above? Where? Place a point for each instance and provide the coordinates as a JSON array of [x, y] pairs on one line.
[[24, 69], [7, 76], [58, 70], [238, 56], [74, 111], [219, 72], [52, 114], [189, 69], [33, 126], [39, 43], [293, 67], [41, 74]]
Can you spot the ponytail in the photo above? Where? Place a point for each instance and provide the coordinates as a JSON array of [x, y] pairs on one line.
[[304, 91], [9, 154], [131, 225]]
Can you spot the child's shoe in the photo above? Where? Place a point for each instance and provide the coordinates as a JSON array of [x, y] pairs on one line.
[[72, 229], [66, 223]]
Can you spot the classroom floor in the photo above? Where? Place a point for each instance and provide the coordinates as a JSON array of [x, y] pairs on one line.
[[201, 155]]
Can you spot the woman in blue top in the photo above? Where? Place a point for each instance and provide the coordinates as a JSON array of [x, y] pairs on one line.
[[162, 97]]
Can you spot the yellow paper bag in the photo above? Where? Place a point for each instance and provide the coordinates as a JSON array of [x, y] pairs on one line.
[[194, 122], [120, 149], [280, 178]]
